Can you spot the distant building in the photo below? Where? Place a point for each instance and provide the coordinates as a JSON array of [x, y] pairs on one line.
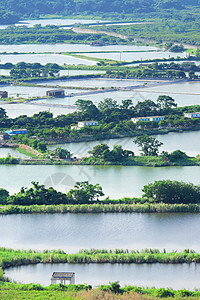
[[4, 136], [97, 43], [156, 119], [16, 131], [192, 115], [3, 94], [87, 123], [55, 93]]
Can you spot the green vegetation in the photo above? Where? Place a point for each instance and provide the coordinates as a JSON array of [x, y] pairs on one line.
[[8, 160], [168, 191], [134, 206], [10, 258], [83, 192], [51, 34], [84, 197], [149, 145], [28, 153], [28, 70], [63, 153], [164, 30], [83, 291], [155, 70], [114, 121], [102, 155]]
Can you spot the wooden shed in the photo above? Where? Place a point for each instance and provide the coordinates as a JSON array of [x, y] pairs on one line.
[[63, 277]]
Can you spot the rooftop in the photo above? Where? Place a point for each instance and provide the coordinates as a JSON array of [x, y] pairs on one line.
[[63, 275], [59, 90]]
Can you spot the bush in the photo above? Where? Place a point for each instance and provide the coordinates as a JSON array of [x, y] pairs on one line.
[[168, 191]]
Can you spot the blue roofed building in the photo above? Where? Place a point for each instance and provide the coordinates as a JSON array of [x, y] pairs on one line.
[[16, 131]]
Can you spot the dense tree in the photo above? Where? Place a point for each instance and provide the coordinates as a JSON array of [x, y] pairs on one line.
[[84, 192], [3, 196], [165, 102], [168, 191], [98, 150], [39, 195], [149, 145], [107, 103], [63, 153], [2, 113], [117, 154]]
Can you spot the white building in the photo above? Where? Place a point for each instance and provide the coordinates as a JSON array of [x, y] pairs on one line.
[[84, 123], [87, 123], [192, 115], [148, 119]]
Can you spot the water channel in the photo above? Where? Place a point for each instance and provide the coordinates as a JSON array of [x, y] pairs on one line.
[[174, 276], [72, 232], [116, 181]]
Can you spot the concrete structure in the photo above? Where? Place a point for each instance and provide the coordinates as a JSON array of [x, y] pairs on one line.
[[55, 93], [62, 277], [3, 94], [148, 119], [16, 131], [192, 115], [87, 123]]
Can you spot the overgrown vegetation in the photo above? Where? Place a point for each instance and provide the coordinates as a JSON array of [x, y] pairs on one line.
[[114, 120], [85, 195]]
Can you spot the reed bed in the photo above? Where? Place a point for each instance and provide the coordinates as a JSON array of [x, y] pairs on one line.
[[10, 258], [101, 208]]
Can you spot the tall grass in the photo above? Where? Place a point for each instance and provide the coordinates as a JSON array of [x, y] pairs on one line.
[[10, 258], [101, 208]]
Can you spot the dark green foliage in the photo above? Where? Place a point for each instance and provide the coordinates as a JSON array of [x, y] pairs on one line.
[[113, 122], [149, 145], [177, 155], [117, 154], [3, 196], [63, 153], [8, 160], [39, 195], [49, 34], [168, 191], [84, 192]]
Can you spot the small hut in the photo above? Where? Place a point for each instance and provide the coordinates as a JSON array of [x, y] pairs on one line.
[[55, 93], [62, 277]]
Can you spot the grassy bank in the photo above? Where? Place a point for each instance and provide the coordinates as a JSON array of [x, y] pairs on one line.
[[108, 292], [28, 153], [12, 258], [147, 161], [100, 208]]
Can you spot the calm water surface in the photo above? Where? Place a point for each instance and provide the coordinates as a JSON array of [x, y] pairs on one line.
[[98, 82], [173, 276], [57, 22], [29, 109], [27, 91], [117, 181], [45, 58], [188, 142], [184, 93], [130, 56], [13, 152], [71, 48], [72, 232]]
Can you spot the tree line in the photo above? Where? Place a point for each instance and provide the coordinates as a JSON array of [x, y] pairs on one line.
[[114, 120], [162, 191]]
